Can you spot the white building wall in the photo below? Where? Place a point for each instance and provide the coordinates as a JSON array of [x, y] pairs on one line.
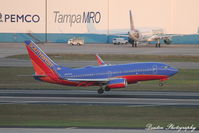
[[10, 9], [174, 16], [73, 11]]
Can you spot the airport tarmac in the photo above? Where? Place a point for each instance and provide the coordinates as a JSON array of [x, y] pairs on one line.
[[85, 97], [27, 63], [8, 49]]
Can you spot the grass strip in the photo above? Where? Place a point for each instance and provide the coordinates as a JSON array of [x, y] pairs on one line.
[[96, 116], [185, 80]]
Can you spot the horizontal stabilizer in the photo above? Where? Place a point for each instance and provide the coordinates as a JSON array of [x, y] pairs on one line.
[[39, 75], [32, 75]]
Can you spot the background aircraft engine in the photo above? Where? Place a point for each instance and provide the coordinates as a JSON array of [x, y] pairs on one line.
[[135, 35], [116, 83], [167, 41]]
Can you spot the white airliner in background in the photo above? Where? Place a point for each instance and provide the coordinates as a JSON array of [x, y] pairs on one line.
[[136, 35], [153, 34]]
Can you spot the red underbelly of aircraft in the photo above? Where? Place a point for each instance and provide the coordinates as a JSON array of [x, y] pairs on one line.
[[130, 79], [135, 78]]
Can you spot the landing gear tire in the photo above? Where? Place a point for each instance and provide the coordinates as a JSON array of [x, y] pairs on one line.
[[100, 91], [161, 84], [107, 89], [157, 45], [134, 44]]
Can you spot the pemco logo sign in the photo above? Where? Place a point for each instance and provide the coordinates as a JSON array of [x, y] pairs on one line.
[[19, 18]]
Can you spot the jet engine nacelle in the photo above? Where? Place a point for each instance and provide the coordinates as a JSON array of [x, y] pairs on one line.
[[167, 41], [117, 83], [134, 35]]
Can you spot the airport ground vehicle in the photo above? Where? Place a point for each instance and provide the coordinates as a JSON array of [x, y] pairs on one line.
[[105, 76], [120, 41], [76, 41]]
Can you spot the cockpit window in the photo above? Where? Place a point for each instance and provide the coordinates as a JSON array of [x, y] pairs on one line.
[[165, 67]]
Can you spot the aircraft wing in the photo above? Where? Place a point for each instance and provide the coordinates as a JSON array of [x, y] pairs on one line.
[[120, 35], [159, 37], [89, 80], [165, 36]]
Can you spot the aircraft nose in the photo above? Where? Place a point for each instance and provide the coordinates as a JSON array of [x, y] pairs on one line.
[[173, 71]]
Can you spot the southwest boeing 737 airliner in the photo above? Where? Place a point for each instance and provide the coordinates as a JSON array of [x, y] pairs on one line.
[[105, 76]]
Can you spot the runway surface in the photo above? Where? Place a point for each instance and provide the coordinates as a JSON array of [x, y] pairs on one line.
[[8, 49], [79, 130], [84, 97]]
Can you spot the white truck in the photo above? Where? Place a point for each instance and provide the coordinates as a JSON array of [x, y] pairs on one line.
[[120, 41], [76, 41]]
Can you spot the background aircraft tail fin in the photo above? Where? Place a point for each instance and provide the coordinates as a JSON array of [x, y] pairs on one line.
[[91, 28], [42, 64], [131, 21]]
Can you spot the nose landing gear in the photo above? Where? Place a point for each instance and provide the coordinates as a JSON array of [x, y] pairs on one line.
[[161, 84]]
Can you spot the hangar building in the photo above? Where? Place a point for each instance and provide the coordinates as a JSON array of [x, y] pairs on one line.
[[94, 20]]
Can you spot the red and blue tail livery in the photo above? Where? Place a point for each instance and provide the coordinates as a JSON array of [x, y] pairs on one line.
[[107, 77]]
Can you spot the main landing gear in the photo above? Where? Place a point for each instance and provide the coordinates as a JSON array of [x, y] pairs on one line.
[[101, 90], [157, 45], [134, 44]]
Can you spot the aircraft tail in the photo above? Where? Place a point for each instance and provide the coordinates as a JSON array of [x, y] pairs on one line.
[[42, 64], [131, 21], [91, 28]]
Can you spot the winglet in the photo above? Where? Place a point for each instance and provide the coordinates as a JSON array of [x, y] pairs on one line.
[[28, 42], [99, 60], [91, 28]]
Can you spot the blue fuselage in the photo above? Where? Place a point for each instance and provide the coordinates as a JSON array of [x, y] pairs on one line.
[[123, 70]]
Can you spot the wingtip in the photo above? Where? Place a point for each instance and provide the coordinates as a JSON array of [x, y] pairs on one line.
[[27, 42]]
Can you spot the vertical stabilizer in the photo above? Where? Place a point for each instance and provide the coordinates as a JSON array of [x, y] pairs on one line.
[[131, 21], [91, 28], [42, 64]]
